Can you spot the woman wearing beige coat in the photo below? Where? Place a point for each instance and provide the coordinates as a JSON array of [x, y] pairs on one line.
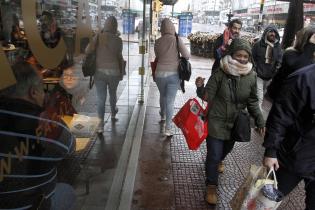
[[108, 74], [166, 75]]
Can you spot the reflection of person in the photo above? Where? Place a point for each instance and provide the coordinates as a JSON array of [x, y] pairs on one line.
[[166, 74], [16, 35], [108, 74], [267, 55], [28, 146], [301, 54], [290, 134], [50, 33], [222, 43], [234, 81]]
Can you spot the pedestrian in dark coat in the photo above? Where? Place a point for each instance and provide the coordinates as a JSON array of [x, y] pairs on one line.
[[296, 57], [267, 55], [221, 44], [290, 134], [236, 71]]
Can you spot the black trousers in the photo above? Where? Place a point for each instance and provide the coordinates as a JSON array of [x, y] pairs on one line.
[[287, 181], [217, 150]]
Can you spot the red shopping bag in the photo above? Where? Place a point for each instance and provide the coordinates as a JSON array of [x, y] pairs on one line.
[[191, 120], [153, 67]]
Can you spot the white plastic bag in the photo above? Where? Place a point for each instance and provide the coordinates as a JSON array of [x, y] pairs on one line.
[[83, 126], [249, 196]]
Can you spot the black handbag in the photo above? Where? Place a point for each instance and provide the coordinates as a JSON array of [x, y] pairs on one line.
[[89, 64], [184, 68], [241, 131]]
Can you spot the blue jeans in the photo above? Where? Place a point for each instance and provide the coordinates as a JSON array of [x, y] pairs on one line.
[[168, 87], [64, 197], [217, 150], [103, 81]]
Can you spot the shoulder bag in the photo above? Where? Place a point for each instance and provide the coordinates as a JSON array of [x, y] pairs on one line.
[[184, 67], [89, 64], [241, 130]]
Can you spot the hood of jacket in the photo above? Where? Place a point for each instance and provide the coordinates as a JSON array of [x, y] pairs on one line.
[[267, 29], [167, 27]]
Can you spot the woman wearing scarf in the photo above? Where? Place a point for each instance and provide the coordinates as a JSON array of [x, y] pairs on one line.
[[235, 71], [108, 62]]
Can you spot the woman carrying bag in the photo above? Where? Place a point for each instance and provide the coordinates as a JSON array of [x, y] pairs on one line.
[[109, 72], [230, 90], [166, 74]]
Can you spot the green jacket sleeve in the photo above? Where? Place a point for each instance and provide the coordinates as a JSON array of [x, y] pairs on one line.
[[208, 92], [253, 107]]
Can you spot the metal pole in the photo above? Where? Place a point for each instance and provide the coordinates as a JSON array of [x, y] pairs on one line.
[[262, 2], [141, 98]]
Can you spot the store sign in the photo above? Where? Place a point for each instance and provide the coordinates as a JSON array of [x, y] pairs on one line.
[[47, 57]]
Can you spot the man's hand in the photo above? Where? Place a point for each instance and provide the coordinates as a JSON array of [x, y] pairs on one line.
[[271, 163], [229, 42], [199, 81]]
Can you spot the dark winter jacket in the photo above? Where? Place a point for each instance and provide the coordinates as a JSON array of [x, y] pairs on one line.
[[290, 133], [28, 148], [292, 60], [217, 52], [265, 70]]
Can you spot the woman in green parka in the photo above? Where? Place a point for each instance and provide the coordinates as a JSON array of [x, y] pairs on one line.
[[235, 79]]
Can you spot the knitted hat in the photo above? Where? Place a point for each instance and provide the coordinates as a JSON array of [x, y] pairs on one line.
[[240, 44]]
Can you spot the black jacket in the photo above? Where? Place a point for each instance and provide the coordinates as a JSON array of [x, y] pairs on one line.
[[292, 60], [28, 147], [264, 70], [290, 127], [217, 53]]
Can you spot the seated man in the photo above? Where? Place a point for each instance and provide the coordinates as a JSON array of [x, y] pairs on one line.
[[30, 147]]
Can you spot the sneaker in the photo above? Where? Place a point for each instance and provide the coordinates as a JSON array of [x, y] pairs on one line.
[[163, 117], [168, 132], [100, 128], [114, 114]]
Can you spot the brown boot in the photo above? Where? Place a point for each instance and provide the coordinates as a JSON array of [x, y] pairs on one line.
[[211, 195], [221, 167]]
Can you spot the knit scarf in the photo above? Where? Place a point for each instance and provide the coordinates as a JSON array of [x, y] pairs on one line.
[[235, 68], [268, 55], [227, 35]]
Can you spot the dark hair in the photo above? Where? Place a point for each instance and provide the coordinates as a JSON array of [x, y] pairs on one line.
[[231, 23], [26, 77], [302, 37]]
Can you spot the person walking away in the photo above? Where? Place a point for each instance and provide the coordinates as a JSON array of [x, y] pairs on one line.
[[290, 133], [294, 58], [222, 43], [167, 78], [108, 63], [235, 79], [267, 55]]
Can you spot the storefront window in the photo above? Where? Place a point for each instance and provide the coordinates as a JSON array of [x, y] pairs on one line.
[[54, 37]]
